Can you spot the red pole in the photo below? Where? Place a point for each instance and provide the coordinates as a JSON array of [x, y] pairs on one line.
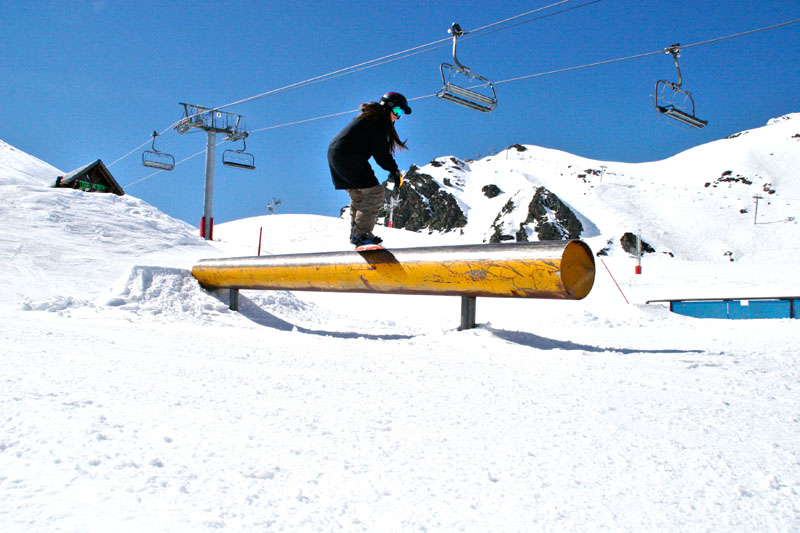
[[260, 230], [203, 228]]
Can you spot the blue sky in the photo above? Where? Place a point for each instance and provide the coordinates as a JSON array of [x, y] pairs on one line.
[[86, 80]]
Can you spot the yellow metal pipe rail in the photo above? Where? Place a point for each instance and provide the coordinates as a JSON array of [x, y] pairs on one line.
[[549, 269]]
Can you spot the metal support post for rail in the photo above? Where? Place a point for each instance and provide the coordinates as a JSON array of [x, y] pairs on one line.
[[562, 270], [468, 304], [233, 298]]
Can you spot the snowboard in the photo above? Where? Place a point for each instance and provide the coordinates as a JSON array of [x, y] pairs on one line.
[[369, 247]]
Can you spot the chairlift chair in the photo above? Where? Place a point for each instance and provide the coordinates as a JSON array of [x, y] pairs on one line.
[[465, 94], [239, 158], [156, 159], [667, 94]]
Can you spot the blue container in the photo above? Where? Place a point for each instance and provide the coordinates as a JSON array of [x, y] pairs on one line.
[[716, 309], [747, 309], [737, 309]]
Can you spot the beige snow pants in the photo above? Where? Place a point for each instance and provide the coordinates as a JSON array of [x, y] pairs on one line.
[[364, 207]]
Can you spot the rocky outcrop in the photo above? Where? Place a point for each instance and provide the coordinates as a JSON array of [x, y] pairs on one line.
[[628, 242], [497, 226], [491, 191], [428, 203], [423, 205], [551, 218], [548, 218]]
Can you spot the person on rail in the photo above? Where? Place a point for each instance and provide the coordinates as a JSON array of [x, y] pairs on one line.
[[371, 134]]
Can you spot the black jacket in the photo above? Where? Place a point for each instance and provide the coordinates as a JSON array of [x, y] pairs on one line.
[[350, 150]]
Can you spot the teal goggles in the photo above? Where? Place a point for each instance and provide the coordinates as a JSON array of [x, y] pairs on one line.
[[397, 111]]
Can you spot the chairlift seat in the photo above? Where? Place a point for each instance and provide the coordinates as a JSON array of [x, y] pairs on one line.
[[154, 158], [681, 116], [667, 105], [672, 110], [159, 160], [238, 159], [467, 97]]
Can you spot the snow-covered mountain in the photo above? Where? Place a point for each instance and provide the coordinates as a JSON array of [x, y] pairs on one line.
[[133, 400], [699, 204]]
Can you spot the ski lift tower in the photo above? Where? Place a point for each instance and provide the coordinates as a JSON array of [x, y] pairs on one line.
[[212, 121]]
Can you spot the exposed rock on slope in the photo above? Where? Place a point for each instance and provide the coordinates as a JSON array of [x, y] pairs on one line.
[[424, 205]]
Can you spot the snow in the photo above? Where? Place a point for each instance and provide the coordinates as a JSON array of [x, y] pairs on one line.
[[133, 400], [19, 168]]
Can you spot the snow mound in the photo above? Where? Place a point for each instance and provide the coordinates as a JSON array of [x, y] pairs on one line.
[[19, 168], [64, 242], [60, 305], [161, 291]]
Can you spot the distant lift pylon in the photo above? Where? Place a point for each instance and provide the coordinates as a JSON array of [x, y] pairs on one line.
[[674, 102], [472, 91], [155, 159]]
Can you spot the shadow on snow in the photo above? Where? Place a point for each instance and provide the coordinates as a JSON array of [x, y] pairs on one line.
[[543, 343], [261, 317], [256, 314]]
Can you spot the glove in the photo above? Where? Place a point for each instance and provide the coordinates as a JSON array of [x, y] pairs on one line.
[[396, 177]]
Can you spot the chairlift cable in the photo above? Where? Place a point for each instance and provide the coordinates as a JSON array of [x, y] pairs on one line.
[[637, 56], [140, 146], [271, 128], [303, 121], [441, 43], [774, 26], [567, 69], [467, 37], [348, 72], [381, 60], [160, 171], [510, 80], [428, 47], [557, 71], [476, 30], [201, 152], [324, 77], [519, 16]]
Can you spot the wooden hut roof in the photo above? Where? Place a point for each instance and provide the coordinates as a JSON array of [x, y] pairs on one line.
[[94, 177]]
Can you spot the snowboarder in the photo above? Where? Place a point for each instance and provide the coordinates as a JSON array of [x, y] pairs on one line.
[[370, 134]]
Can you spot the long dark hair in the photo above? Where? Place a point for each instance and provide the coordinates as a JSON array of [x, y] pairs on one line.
[[376, 111]]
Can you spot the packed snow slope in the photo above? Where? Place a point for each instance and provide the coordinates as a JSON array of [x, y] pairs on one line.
[[19, 168], [133, 400]]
